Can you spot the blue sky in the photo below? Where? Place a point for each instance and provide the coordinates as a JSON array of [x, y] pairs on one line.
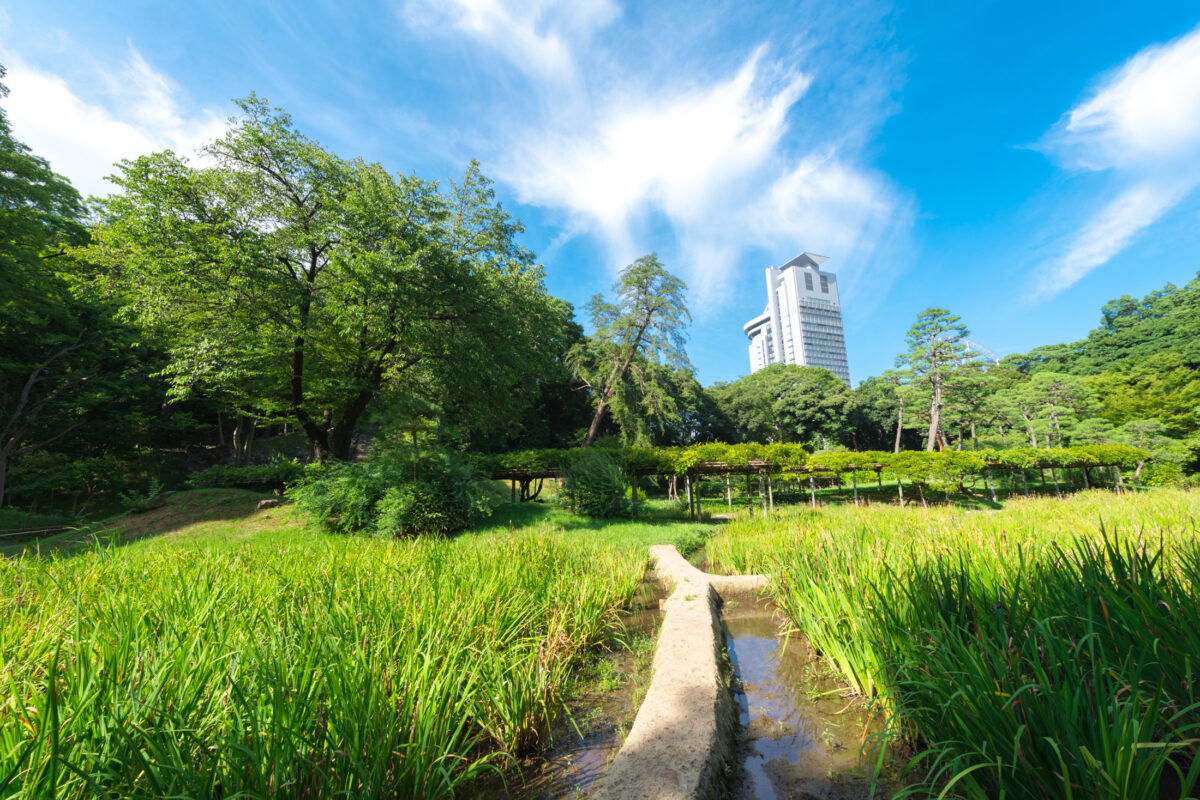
[[1019, 163]]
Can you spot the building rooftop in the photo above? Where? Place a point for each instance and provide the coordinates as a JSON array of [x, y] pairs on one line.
[[806, 260]]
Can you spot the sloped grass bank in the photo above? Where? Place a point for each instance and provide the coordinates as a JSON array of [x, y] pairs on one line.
[[286, 662], [1049, 650]]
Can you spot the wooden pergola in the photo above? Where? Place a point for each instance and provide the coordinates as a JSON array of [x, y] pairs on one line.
[[522, 479], [523, 488]]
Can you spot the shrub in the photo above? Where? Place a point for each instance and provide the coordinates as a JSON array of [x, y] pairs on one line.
[[388, 496], [594, 484], [264, 477]]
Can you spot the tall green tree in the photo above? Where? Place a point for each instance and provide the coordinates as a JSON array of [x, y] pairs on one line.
[[304, 286], [643, 329], [49, 339], [876, 415], [786, 403], [935, 350]]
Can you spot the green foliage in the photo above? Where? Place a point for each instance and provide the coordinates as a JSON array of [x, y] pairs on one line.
[[137, 502], [262, 477], [294, 283], [634, 338], [935, 351], [945, 469], [391, 495], [785, 403], [595, 484]]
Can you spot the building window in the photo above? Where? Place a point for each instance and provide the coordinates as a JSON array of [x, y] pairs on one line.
[[808, 281], [824, 285]]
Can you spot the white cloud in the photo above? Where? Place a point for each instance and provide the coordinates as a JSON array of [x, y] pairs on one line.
[[712, 160], [830, 205], [126, 113], [683, 154], [535, 35], [1142, 124], [649, 126]]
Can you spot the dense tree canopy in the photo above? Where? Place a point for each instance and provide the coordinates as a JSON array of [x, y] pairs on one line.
[[786, 403], [298, 284], [63, 359]]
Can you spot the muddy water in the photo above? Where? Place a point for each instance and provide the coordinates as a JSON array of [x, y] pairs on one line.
[[583, 744], [801, 738]]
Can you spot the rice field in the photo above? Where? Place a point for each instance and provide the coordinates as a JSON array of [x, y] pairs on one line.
[[261, 661], [1048, 650]]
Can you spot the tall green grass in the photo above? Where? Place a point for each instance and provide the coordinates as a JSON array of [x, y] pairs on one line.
[[317, 666], [1050, 650]]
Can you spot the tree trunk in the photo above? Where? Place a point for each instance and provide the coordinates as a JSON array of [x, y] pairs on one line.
[[1054, 477], [243, 437], [3, 473], [900, 490], [991, 485], [812, 490], [899, 426], [594, 428], [728, 494], [935, 416], [854, 478], [1025, 484], [974, 438], [770, 493]]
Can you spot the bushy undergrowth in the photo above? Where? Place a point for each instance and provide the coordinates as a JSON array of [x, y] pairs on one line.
[[391, 496], [594, 484], [309, 666], [1051, 650], [263, 477]]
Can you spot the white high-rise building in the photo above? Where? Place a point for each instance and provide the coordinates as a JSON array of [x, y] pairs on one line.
[[803, 320]]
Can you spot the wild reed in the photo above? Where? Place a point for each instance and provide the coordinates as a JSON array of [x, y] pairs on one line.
[[1050, 650], [316, 667]]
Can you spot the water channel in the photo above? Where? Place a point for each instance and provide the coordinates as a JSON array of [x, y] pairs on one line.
[[801, 739], [585, 742]]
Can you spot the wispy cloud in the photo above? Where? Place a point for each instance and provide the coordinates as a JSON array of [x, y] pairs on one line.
[[1142, 124], [732, 158], [535, 35], [122, 113]]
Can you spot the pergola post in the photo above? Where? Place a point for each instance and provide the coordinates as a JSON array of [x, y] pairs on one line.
[[854, 478], [728, 493], [1086, 483], [812, 489], [770, 493], [687, 482], [749, 496], [512, 485]]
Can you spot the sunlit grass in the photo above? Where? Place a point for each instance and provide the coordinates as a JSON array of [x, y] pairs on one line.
[[1051, 649], [255, 656]]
